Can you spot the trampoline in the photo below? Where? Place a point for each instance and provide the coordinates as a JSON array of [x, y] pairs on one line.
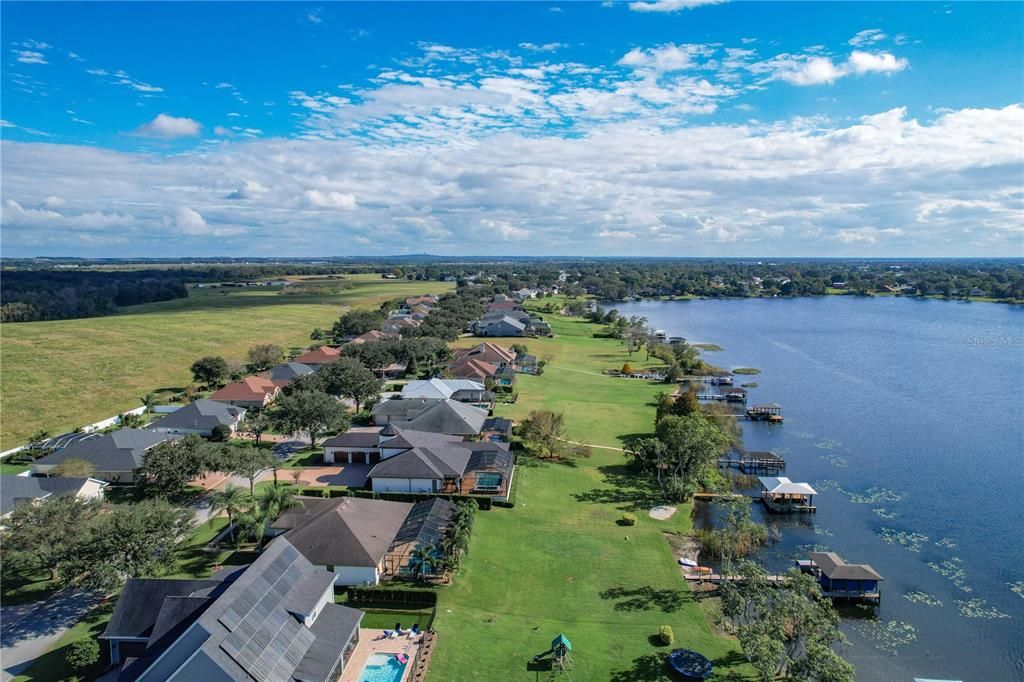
[[690, 664]]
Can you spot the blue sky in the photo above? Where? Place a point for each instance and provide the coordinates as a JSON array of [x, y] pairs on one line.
[[656, 127]]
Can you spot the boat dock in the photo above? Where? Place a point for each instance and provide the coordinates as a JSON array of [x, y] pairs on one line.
[[718, 579], [754, 461]]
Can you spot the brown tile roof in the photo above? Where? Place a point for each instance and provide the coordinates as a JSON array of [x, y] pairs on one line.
[[249, 388], [471, 368], [320, 356], [372, 335], [487, 352]]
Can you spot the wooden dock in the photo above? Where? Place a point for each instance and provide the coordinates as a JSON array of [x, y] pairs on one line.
[[754, 462], [717, 579]]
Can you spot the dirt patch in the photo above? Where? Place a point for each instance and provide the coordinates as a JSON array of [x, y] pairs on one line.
[[683, 546], [662, 513]]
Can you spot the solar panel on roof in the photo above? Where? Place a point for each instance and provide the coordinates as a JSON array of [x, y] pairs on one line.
[[230, 618]]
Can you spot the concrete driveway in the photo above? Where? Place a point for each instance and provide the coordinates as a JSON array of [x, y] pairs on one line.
[[28, 631], [351, 475]]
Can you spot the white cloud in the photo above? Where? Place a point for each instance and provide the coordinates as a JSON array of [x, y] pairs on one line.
[[250, 189], [75, 57], [97, 72], [546, 47], [221, 86], [187, 221], [315, 16], [54, 202], [30, 57], [669, 5], [616, 234], [865, 62], [665, 58], [6, 124], [867, 37], [167, 126], [865, 235], [330, 199], [811, 71]]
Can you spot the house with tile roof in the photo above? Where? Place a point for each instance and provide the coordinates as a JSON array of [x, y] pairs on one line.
[[319, 357], [251, 392]]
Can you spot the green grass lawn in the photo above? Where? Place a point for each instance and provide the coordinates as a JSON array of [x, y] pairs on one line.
[[13, 469], [559, 561], [66, 373]]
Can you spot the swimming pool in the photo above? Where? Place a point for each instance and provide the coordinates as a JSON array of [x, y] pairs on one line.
[[382, 668]]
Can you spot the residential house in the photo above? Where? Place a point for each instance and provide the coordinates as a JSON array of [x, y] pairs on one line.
[[374, 335], [506, 326], [493, 353], [360, 540], [398, 326], [429, 300], [116, 457], [251, 392], [472, 369], [503, 307], [16, 490], [273, 621], [526, 363], [461, 390], [315, 359], [436, 415], [497, 430], [434, 463], [200, 417], [287, 372]]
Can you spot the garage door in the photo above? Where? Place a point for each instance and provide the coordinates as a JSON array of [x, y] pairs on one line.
[[374, 458], [358, 457]]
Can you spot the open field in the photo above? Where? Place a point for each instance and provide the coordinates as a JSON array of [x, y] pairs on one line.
[[558, 561], [62, 374]]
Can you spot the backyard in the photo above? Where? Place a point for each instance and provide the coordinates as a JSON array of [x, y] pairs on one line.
[[66, 373], [559, 561]]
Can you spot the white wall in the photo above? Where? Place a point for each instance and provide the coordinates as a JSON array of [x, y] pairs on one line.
[[404, 485], [355, 575]]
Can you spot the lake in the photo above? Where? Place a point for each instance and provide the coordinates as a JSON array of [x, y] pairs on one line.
[[907, 416]]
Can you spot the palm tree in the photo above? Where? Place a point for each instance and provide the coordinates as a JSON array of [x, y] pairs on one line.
[[253, 523], [148, 401], [276, 500], [422, 561], [230, 500]]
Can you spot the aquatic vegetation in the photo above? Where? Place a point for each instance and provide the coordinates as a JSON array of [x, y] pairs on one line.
[[709, 347], [885, 513], [953, 570], [874, 495], [804, 550], [746, 370], [976, 608], [827, 484], [1017, 588], [836, 461], [828, 444], [911, 541], [802, 435], [889, 636], [918, 597], [823, 532], [945, 542], [752, 384]]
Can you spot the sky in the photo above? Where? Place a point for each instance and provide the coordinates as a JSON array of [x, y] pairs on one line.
[[646, 127]]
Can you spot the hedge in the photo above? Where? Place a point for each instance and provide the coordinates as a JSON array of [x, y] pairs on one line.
[[358, 595], [484, 503]]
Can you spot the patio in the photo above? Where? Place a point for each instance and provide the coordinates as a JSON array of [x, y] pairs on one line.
[[350, 475], [372, 642]]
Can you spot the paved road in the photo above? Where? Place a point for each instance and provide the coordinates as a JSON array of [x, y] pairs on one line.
[[29, 630]]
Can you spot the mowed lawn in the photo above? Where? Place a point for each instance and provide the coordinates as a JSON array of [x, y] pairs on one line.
[[63, 374], [559, 561]]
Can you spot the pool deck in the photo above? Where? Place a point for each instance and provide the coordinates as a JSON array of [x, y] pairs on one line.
[[371, 642]]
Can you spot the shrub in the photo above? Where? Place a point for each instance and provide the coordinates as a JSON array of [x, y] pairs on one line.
[[627, 368], [629, 519], [220, 433], [666, 635], [83, 654]]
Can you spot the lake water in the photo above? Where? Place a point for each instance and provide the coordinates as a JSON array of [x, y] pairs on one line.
[[907, 416]]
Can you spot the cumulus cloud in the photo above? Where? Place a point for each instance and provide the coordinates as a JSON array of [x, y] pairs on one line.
[[791, 187], [30, 57], [669, 5], [330, 199], [665, 58], [818, 70], [546, 47], [865, 62], [169, 127]]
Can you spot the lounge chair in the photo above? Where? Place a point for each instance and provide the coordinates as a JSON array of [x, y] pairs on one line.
[[388, 634]]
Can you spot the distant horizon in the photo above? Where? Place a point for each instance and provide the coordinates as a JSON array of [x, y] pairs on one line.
[[704, 127]]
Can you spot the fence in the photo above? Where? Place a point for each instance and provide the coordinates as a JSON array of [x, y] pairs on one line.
[[89, 428]]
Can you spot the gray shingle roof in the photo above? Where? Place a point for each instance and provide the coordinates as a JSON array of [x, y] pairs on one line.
[[834, 568], [201, 414], [288, 371], [345, 531], [423, 463], [139, 606], [17, 489], [449, 417], [118, 451]]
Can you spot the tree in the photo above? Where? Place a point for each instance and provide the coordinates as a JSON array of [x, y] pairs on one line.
[[43, 537], [544, 433], [129, 420], [693, 445], [311, 412], [247, 462], [82, 655], [221, 433], [128, 541], [349, 378], [263, 356], [231, 500], [252, 524], [276, 500], [686, 402], [74, 468], [786, 629], [210, 371], [255, 424], [355, 323], [738, 536], [149, 401], [169, 466], [422, 561]]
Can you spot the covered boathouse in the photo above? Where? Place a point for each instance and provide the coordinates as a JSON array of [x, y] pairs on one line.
[[840, 580]]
